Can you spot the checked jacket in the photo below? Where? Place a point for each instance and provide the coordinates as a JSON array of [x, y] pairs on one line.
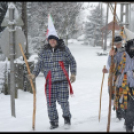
[[49, 61]]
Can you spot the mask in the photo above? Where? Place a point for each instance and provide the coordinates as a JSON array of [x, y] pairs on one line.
[[129, 46]]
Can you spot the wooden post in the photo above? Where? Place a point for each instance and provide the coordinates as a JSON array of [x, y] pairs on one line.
[[94, 35], [12, 57], [102, 39], [105, 44], [111, 70]]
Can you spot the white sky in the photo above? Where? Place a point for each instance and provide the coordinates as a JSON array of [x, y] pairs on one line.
[[110, 16]]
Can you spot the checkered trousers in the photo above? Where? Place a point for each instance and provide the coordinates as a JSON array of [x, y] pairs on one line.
[[59, 93]]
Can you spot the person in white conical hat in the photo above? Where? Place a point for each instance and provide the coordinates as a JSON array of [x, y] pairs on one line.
[[55, 59]]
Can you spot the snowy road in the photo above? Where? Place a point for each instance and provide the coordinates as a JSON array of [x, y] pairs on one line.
[[84, 105]]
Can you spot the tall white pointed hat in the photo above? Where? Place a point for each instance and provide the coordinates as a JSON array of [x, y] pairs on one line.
[[129, 34], [51, 32]]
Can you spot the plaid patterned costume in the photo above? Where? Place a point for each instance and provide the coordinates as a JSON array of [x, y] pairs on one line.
[[59, 93], [49, 61]]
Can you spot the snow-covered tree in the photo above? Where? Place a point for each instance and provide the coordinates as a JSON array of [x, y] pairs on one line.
[[64, 15], [93, 26], [3, 9]]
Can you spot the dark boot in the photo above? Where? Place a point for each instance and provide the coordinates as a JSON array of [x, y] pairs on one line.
[[118, 114], [125, 123], [129, 130], [53, 125], [67, 121]]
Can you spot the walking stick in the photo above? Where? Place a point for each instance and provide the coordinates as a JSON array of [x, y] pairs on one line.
[[33, 88], [101, 93], [111, 71]]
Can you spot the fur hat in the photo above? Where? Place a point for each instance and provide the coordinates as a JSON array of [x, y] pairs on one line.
[[118, 39]]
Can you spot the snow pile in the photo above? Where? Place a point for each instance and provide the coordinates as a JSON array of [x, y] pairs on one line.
[[81, 38], [102, 52], [33, 58], [19, 60], [72, 41]]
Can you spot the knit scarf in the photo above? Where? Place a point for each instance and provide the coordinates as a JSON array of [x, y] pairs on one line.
[[122, 92]]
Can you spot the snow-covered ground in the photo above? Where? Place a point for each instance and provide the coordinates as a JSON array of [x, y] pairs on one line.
[[84, 105]]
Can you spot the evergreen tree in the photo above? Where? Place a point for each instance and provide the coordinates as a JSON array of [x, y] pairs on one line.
[[64, 15], [93, 26], [3, 9]]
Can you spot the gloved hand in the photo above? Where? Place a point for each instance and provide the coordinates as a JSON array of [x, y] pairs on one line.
[[104, 70], [72, 78], [30, 76]]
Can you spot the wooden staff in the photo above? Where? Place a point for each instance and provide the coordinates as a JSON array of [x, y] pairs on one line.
[[101, 93], [117, 20], [33, 88], [111, 70]]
